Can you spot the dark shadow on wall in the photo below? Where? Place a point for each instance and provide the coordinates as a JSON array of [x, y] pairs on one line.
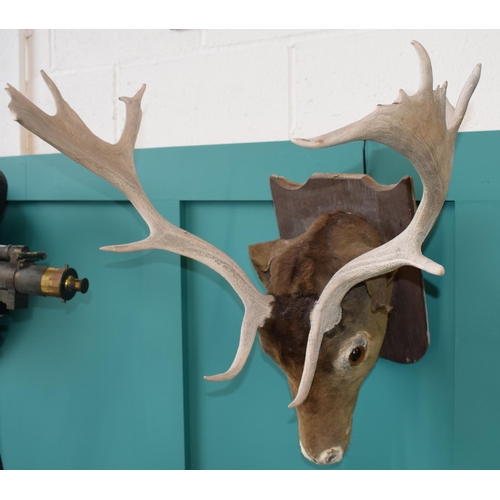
[[3, 329]]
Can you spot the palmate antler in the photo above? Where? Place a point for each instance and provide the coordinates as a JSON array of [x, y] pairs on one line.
[[115, 163], [422, 127]]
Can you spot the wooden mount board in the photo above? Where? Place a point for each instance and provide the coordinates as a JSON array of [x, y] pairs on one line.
[[389, 209]]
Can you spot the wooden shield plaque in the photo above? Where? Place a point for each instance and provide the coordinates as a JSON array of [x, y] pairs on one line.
[[389, 209]]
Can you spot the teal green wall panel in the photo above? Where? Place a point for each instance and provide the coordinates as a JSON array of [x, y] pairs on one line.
[[223, 172], [14, 170], [237, 171], [476, 167], [243, 423], [55, 177], [387, 166], [114, 379], [95, 383], [477, 392]]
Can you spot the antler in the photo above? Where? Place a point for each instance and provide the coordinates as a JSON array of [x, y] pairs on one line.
[[115, 163], [423, 128]]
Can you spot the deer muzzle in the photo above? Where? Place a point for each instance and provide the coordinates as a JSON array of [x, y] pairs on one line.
[[327, 457]]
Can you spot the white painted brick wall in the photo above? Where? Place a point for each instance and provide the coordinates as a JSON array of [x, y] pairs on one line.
[[211, 98], [214, 38], [9, 57], [366, 68], [230, 86], [82, 49]]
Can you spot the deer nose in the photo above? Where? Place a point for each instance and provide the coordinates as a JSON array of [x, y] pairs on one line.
[[331, 456], [327, 457]]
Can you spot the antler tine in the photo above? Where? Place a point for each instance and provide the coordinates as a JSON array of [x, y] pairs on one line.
[[426, 78], [369, 128], [115, 163], [418, 127], [464, 98], [58, 98]]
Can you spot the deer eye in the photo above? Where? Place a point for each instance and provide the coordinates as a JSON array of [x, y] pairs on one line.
[[357, 355]]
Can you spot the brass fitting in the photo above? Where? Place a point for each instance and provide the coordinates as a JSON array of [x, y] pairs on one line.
[[20, 277], [63, 283]]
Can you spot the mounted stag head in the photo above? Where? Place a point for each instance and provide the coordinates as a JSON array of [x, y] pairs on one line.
[[295, 272], [329, 288]]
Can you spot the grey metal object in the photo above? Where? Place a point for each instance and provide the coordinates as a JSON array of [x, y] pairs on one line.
[[20, 277]]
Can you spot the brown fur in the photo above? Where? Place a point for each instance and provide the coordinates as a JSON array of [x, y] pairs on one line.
[[295, 273], [303, 266]]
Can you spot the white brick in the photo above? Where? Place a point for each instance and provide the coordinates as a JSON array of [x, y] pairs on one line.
[[9, 129], [471, 47], [9, 54], [240, 96], [40, 53], [227, 37], [341, 78], [9, 73], [74, 49], [235, 87]]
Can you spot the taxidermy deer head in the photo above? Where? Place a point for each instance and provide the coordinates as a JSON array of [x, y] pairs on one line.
[[324, 318]]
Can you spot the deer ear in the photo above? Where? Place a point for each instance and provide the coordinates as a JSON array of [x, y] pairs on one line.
[[380, 291], [262, 254]]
